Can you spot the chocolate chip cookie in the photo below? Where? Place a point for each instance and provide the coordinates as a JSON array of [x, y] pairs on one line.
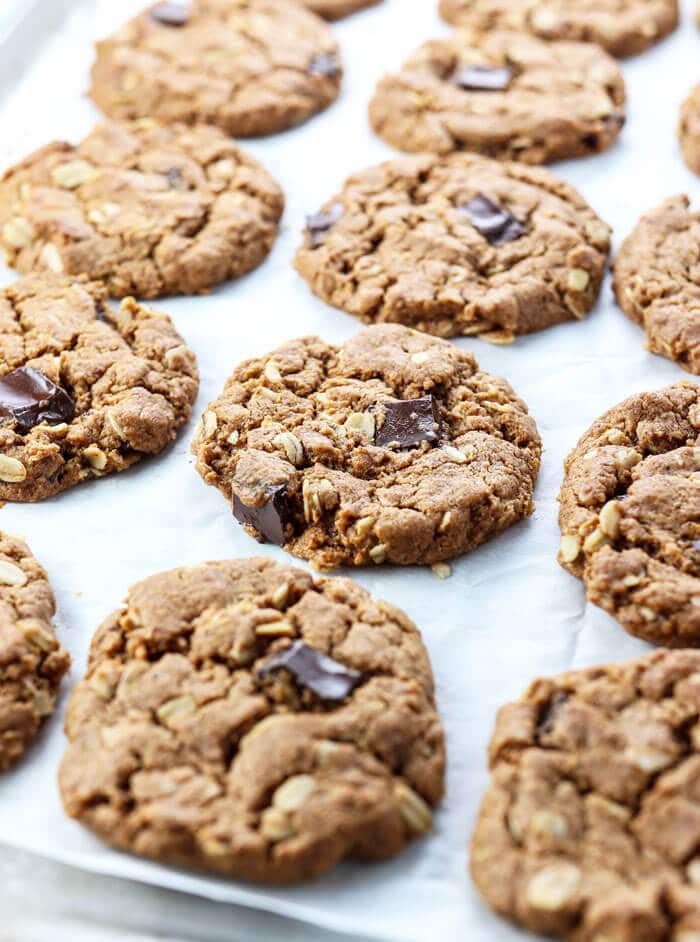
[[590, 828], [335, 9], [457, 245], [630, 514], [146, 208], [656, 279], [621, 27], [249, 66], [239, 717], [689, 130], [392, 448], [502, 94], [32, 662], [84, 390]]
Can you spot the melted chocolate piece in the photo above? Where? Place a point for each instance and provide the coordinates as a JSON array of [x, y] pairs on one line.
[[409, 422], [314, 670], [482, 78], [325, 65], [548, 715], [270, 519], [492, 221], [28, 397], [319, 225], [171, 13]]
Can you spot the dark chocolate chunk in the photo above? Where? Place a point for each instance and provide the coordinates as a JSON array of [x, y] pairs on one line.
[[482, 78], [319, 225], [548, 713], [28, 397], [409, 422], [325, 65], [492, 221], [270, 519], [172, 13], [314, 670]]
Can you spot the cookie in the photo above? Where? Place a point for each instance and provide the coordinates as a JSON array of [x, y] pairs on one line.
[[32, 662], [239, 717], [84, 390], [148, 209], [392, 448], [505, 95], [335, 9], [622, 27], [689, 130], [657, 281], [589, 828], [457, 245], [630, 514], [249, 66]]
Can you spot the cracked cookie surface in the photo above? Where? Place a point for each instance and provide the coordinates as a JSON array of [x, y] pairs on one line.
[[188, 744], [249, 66], [148, 209], [457, 245], [32, 662], [656, 279], [630, 514], [589, 829], [621, 27], [392, 448], [335, 9], [689, 130], [84, 390], [503, 94]]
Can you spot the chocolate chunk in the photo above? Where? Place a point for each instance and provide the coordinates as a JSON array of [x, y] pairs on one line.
[[326, 65], [409, 422], [314, 670], [319, 225], [270, 519], [171, 13], [175, 179], [482, 78], [28, 397], [548, 713], [492, 221]]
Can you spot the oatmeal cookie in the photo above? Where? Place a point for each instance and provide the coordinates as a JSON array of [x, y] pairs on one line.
[[689, 130]]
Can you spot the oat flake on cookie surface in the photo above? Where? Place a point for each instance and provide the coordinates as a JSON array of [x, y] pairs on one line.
[[590, 828], [85, 389], [32, 662], [239, 717], [394, 447]]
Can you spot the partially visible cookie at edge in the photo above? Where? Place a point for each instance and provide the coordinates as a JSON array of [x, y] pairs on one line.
[[502, 94], [588, 827], [457, 245], [393, 448], [689, 130], [32, 661], [621, 27], [251, 67], [630, 514], [335, 9], [85, 390], [239, 717], [656, 279], [147, 208]]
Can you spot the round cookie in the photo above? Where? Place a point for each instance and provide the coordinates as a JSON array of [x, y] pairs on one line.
[[588, 830], [622, 27], [630, 514], [84, 390], [392, 448], [657, 281], [146, 208], [505, 95], [249, 66], [32, 662], [239, 717], [335, 9], [689, 130], [457, 245]]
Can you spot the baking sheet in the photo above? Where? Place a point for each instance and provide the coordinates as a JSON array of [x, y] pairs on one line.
[[507, 614]]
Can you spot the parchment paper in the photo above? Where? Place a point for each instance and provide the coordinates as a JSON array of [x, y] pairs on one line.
[[507, 614]]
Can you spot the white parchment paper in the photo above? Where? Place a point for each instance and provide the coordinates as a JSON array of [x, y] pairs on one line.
[[507, 614]]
